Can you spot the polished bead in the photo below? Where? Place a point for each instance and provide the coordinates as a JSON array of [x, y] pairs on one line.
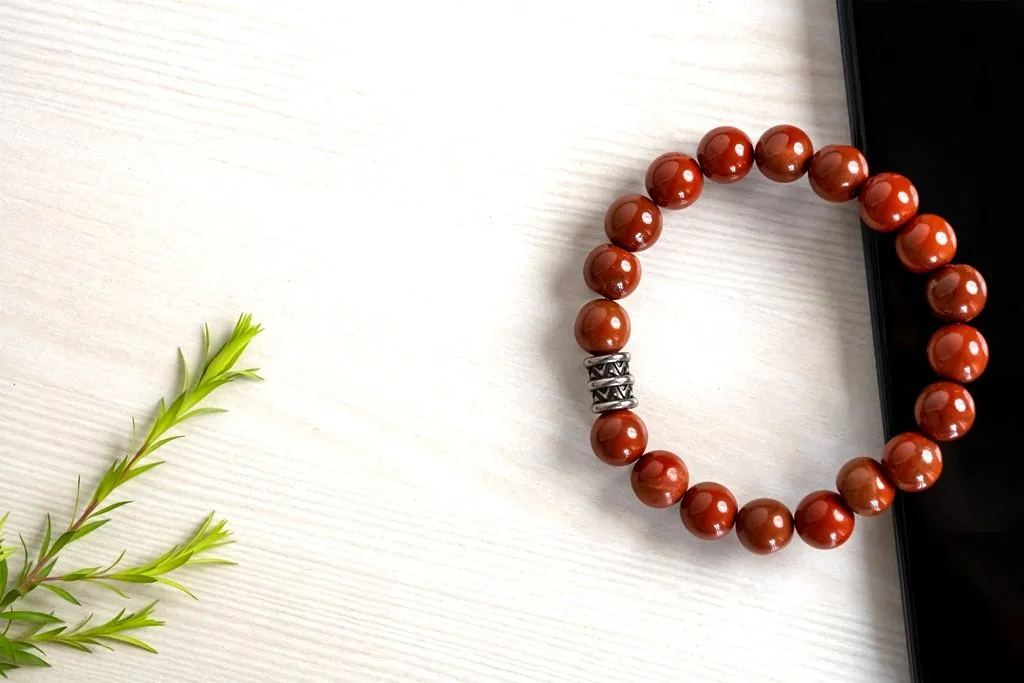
[[887, 201], [618, 437], [602, 326], [944, 411], [633, 222], [674, 180], [956, 293], [725, 154], [659, 479], [708, 510], [926, 243], [836, 172], [823, 520], [865, 487], [783, 153], [958, 352], [611, 271], [764, 526], [912, 462]]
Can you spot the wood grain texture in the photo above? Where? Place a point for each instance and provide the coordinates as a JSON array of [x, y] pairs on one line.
[[404, 194]]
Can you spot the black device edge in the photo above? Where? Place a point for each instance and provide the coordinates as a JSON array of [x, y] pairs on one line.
[[871, 239]]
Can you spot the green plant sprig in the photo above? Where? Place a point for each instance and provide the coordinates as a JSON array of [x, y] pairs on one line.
[[15, 652]]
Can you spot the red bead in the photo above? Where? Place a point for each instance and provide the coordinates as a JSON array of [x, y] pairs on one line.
[[602, 327], [618, 437], [708, 510], [865, 487], [633, 222], [958, 352], [725, 155], [674, 181], [887, 201], [611, 271], [836, 172], [823, 520], [659, 479], [912, 462], [956, 293], [764, 526], [783, 153], [944, 411], [926, 243]]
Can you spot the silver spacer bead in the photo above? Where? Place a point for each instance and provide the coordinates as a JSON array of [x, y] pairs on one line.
[[610, 385], [609, 406]]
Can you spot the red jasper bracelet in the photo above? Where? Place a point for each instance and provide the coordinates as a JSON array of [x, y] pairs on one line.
[[925, 244]]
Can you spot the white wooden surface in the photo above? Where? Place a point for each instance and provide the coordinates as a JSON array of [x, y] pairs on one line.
[[403, 193]]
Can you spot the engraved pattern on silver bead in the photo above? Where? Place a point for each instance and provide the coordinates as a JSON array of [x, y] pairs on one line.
[[610, 385]]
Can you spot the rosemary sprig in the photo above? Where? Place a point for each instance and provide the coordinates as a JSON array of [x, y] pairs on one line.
[[21, 649]]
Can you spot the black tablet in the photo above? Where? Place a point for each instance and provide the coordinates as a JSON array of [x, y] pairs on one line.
[[936, 92]]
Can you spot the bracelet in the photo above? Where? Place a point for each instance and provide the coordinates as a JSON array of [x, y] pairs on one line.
[[925, 243]]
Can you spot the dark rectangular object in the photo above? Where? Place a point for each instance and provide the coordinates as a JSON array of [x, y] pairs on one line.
[[936, 92]]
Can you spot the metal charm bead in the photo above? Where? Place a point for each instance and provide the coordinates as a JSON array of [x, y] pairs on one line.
[[610, 385]]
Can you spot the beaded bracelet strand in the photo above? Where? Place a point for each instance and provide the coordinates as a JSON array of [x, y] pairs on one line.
[[925, 243]]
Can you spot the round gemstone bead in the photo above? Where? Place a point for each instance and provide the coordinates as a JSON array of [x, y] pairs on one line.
[[836, 172], [708, 510], [619, 437], [674, 180], [659, 479], [611, 271], [912, 462], [602, 327], [956, 293], [925, 243], [783, 153], [633, 222], [887, 201], [725, 155], [865, 488], [823, 520], [958, 352], [764, 526], [944, 411]]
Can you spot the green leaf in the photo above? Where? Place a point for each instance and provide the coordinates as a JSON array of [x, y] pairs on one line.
[[132, 578], [34, 617], [57, 590], [3, 521], [136, 471], [212, 560], [163, 442], [112, 588], [24, 567], [184, 371], [110, 508], [115, 562], [46, 541], [62, 541], [10, 597], [78, 495], [87, 529], [22, 658], [201, 411], [206, 343], [45, 571], [3, 575], [175, 584], [7, 648], [129, 640], [79, 574]]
